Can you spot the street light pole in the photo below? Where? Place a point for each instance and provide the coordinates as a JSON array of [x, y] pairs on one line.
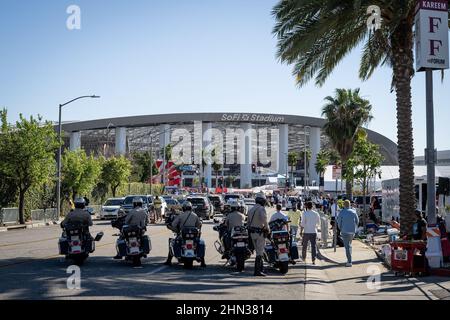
[[430, 151], [58, 160]]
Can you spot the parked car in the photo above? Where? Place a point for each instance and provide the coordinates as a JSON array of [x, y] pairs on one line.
[[128, 202], [232, 197], [202, 206], [110, 209], [173, 204], [217, 202]]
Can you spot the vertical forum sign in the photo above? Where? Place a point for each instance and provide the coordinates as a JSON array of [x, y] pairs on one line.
[[431, 21]]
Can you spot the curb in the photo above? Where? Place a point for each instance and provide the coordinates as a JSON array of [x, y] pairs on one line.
[[30, 226]]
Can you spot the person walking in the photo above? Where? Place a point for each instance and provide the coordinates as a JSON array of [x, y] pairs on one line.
[[348, 222], [309, 223], [294, 217], [157, 203]]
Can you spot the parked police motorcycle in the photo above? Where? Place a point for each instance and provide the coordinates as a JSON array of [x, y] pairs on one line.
[[238, 245], [76, 242], [281, 249]]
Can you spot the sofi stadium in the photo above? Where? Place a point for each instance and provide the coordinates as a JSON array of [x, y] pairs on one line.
[[244, 149]]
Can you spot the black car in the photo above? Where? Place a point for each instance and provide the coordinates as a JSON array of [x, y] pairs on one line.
[[201, 206], [217, 202]]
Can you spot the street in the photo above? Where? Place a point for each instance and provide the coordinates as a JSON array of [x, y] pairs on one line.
[[30, 268]]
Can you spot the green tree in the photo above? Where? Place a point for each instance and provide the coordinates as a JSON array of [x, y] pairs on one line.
[[315, 36], [323, 159], [345, 114], [142, 163], [27, 154], [366, 161], [79, 173], [292, 161], [216, 165], [115, 171]]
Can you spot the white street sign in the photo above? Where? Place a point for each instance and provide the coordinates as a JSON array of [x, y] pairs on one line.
[[431, 21], [337, 172]]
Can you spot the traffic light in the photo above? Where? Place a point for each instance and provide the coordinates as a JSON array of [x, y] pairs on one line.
[[254, 168]]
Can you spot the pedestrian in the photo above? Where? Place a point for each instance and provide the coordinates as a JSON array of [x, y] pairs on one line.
[[294, 217], [309, 223], [420, 227], [348, 221], [157, 203]]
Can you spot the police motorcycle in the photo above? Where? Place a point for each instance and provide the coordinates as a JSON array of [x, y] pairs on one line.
[[186, 246], [133, 243], [281, 249], [76, 243], [235, 245]]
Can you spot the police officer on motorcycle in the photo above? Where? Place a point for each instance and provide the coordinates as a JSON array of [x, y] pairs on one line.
[[79, 215], [234, 219], [136, 217], [258, 229], [186, 219]]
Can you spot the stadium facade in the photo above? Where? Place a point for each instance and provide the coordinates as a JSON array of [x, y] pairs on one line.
[[254, 146]]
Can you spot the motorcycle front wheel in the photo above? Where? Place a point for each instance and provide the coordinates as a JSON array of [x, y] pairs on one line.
[[284, 267]]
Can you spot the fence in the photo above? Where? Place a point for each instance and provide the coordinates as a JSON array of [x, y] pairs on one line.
[[9, 216], [44, 215]]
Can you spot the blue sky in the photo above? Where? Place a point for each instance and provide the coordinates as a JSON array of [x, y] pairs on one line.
[[167, 56]]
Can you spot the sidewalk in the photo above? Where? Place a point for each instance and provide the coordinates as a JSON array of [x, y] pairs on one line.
[[354, 282]]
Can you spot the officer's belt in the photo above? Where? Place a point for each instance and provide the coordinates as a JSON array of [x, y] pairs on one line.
[[255, 230]]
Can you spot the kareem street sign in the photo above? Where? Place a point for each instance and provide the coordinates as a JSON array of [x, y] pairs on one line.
[[431, 23]]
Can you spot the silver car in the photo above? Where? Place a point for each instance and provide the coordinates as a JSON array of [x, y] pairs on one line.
[[110, 209]]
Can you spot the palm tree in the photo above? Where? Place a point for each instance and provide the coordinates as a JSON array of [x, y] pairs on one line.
[[345, 114], [292, 160], [323, 159], [315, 36]]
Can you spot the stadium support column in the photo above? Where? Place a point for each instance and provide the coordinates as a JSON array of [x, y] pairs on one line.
[[314, 142], [164, 140], [283, 148], [207, 137], [121, 141], [75, 141], [245, 150]]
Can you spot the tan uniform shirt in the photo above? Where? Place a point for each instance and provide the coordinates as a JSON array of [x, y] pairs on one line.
[[234, 219], [136, 217], [186, 219], [257, 217], [78, 215]]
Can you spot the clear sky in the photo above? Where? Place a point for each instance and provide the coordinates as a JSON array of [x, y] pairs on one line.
[[169, 56]]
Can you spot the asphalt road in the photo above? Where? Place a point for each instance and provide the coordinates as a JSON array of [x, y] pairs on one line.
[[30, 268]]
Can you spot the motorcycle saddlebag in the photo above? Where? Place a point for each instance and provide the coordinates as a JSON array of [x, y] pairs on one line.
[[63, 246], [294, 251], [146, 244], [201, 248], [122, 247]]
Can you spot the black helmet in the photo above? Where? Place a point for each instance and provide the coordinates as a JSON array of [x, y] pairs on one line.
[[187, 206], [80, 203], [138, 202], [261, 199]]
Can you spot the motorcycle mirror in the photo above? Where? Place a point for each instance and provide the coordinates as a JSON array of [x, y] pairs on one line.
[[99, 236]]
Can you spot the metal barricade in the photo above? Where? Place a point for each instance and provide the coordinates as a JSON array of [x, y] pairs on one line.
[[9, 216]]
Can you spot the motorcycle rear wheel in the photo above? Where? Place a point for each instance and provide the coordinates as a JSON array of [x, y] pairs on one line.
[[188, 264], [284, 267], [79, 259], [240, 262]]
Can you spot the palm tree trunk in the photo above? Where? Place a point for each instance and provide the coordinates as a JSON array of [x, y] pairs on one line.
[[22, 206], [348, 182], [402, 46]]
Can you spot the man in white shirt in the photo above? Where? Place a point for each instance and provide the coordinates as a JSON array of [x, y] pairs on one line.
[[310, 222], [278, 215]]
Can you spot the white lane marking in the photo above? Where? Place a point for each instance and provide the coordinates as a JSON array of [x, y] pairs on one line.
[[157, 270]]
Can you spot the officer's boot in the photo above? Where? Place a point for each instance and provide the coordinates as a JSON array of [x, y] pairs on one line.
[[169, 260], [203, 264], [258, 267]]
